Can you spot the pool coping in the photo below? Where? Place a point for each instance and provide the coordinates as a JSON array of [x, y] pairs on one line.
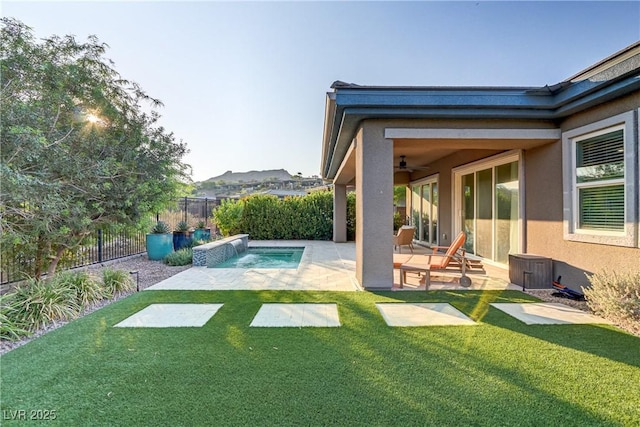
[[324, 266]]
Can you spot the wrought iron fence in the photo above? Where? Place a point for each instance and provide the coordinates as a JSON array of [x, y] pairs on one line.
[[105, 245], [189, 209]]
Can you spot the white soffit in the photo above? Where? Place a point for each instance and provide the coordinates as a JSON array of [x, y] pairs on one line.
[[347, 170], [422, 133]]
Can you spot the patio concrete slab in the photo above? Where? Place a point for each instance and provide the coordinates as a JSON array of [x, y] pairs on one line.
[[324, 266], [450, 281], [170, 316], [276, 315], [548, 313], [422, 314]]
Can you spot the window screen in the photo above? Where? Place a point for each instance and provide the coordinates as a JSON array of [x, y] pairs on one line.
[[600, 181], [600, 158]]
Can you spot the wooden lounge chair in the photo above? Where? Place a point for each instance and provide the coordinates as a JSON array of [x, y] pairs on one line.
[[404, 237], [428, 263]]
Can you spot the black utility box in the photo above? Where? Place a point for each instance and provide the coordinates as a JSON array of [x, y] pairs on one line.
[[531, 271]]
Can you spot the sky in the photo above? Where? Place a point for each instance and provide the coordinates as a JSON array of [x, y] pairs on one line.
[[244, 83]]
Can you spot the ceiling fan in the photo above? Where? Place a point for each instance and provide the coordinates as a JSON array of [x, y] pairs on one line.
[[403, 166]]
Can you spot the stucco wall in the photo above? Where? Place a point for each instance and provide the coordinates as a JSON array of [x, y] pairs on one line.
[[543, 196], [461, 157], [543, 215], [624, 104], [544, 231]]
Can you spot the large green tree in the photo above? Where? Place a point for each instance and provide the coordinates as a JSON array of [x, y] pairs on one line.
[[81, 145]]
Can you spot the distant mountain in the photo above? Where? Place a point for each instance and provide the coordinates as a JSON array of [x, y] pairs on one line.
[[278, 182], [230, 177]]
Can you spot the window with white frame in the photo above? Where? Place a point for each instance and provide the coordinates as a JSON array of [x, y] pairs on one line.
[[601, 182]]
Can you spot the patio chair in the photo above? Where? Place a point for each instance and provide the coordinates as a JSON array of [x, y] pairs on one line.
[[404, 237], [432, 262]]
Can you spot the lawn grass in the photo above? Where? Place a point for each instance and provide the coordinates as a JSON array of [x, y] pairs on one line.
[[500, 372]]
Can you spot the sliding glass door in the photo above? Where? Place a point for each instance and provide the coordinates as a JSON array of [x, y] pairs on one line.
[[507, 204], [488, 204], [424, 211]]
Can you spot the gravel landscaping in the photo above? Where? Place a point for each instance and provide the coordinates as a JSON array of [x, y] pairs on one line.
[[149, 273]]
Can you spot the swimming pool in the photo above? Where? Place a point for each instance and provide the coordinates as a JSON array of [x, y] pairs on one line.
[[265, 257]]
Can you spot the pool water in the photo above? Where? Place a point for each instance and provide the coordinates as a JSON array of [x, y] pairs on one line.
[[265, 257]]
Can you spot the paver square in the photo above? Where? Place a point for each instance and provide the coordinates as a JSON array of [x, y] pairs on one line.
[[547, 313], [296, 315], [422, 314], [170, 316]]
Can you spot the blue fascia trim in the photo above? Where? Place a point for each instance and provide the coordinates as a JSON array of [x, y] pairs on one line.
[[597, 95], [474, 97], [431, 98]]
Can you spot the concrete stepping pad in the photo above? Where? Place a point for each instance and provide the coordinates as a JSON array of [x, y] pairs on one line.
[[170, 316], [276, 315], [422, 314], [548, 313]]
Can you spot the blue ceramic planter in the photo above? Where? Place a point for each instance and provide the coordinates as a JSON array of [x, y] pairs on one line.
[[159, 246], [181, 240]]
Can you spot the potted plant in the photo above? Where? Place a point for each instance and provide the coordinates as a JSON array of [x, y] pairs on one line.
[[181, 236], [159, 242], [202, 232]]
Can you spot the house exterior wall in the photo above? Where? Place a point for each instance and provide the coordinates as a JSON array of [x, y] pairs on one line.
[[542, 168], [444, 166], [543, 194], [603, 111], [544, 230], [544, 207], [571, 188]]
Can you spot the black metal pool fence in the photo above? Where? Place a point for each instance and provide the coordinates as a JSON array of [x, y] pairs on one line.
[[105, 245]]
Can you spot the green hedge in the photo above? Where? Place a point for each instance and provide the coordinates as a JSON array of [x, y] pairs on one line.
[[266, 217], [228, 217]]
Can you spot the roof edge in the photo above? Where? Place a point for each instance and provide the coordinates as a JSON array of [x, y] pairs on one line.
[[609, 61]]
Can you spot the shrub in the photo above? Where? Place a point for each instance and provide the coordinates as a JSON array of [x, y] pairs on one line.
[[398, 221], [261, 219], [87, 289], [195, 243], [40, 302], [227, 216], [10, 328], [616, 296], [315, 221], [351, 216], [117, 281], [307, 217], [160, 228], [181, 257], [182, 227], [266, 217]]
